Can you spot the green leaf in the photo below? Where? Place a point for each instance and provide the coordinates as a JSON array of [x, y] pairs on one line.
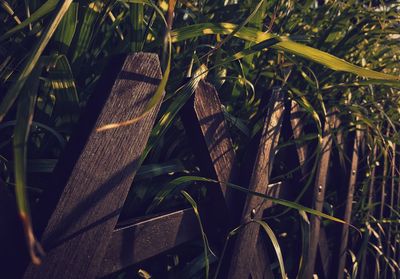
[[305, 242], [276, 245], [205, 240], [44, 10], [66, 29], [253, 35], [32, 60], [25, 110]]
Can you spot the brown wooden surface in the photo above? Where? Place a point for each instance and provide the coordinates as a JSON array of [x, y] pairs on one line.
[[246, 240], [319, 235], [319, 192], [139, 241], [260, 264], [349, 204], [79, 229], [206, 125], [207, 107], [390, 243], [296, 120], [207, 130]]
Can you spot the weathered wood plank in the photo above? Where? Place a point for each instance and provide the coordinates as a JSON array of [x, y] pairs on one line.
[[207, 107], [349, 203], [247, 238], [139, 241], [319, 192], [205, 124], [261, 265], [319, 236], [325, 255], [75, 238], [296, 121]]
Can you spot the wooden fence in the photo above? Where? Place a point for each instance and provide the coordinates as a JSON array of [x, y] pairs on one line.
[[78, 216]]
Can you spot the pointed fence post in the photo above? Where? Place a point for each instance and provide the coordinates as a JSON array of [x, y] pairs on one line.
[[100, 170], [349, 202], [246, 240]]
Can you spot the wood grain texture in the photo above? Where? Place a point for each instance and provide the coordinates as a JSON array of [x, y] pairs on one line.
[[208, 132], [246, 241], [296, 117], [296, 120], [83, 221], [207, 107], [319, 192], [349, 203], [139, 241], [261, 265]]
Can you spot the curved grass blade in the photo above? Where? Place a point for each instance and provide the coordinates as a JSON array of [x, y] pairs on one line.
[[237, 28], [86, 29], [61, 83], [161, 87], [45, 9], [253, 35], [305, 243], [32, 60], [205, 240], [25, 110], [4, 4], [289, 204], [66, 29], [276, 245]]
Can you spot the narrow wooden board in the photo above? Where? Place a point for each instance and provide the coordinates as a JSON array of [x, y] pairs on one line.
[[216, 135], [319, 192], [205, 124], [349, 203], [83, 222], [139, 241], [325, 255], [246, 240]]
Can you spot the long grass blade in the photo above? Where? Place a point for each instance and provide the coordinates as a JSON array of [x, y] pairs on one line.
[[26, 106], [14, 91], [253, 35]]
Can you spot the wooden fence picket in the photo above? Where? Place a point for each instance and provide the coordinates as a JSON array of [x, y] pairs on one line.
[[78, 217], [349, 202], [246, 240], [318, 238], [98, 182]]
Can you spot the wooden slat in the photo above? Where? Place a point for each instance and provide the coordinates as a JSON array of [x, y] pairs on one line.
[[205, 124], [79, 229], [390, 242], [260, 264], [296, 121], [247, 238], [384, 180], [318, 237], [207, 107], [349, 203], [319, 192], [364, 265], [140, 241]]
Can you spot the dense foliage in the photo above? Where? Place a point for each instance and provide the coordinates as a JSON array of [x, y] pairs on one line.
[[52, 54]]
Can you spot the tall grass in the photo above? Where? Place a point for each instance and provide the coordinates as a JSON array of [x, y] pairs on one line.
[[331, 54]]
